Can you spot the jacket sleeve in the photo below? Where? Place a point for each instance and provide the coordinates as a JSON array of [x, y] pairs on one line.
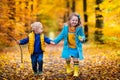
[[24, 41], [81, 32], [47, 40], [60, 36]]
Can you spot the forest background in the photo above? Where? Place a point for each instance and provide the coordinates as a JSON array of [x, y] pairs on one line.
[[101, 23]]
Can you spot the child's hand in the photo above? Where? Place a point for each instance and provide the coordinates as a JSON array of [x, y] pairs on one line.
[[52, 43], [80, 38], [18, 42]]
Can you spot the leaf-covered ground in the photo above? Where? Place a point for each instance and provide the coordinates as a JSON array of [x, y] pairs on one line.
[[101, 63]]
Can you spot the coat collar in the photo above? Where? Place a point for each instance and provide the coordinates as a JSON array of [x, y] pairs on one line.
[[77, 29]]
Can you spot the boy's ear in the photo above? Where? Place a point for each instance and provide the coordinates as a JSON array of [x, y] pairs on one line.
[[42, 31]]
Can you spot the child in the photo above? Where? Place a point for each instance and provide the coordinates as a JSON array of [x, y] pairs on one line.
[[36, 40], [73, 36]]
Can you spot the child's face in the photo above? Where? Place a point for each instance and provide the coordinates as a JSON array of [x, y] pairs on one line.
[[74, 21], [38, 29]]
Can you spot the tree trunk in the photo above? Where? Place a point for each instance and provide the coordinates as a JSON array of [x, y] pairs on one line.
[[99, 23], [85, 19], [73, 5], [66, 15]]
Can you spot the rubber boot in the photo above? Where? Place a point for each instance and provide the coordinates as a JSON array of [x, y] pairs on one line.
[[76, 70], [68, 68]]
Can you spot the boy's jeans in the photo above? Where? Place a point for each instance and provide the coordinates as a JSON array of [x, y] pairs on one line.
[[37, 62]]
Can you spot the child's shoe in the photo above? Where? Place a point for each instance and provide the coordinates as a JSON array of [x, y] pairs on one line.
[[76, 74], [35, 73], [68, 69], [40, 73]]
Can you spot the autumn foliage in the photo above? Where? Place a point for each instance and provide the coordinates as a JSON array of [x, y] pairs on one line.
[[102, 61]]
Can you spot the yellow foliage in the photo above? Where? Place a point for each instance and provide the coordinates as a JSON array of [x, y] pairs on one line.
[[111, 30]]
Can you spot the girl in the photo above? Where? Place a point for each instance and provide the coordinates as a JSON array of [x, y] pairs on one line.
[[73, 36]]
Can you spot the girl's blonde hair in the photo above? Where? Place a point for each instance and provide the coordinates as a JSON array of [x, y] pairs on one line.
[[74, 14], [36, 25]]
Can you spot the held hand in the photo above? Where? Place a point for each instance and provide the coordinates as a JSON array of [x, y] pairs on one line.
[[52, 43], [18, 42]]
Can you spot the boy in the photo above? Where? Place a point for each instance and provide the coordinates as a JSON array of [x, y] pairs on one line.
[[36, 45]]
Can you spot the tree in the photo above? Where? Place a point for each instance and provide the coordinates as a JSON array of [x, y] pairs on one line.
[[73, 5], [85, 19], [99, 23], [67, 10]]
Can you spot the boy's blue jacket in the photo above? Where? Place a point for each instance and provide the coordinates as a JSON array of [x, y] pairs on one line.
[[64, 35]]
